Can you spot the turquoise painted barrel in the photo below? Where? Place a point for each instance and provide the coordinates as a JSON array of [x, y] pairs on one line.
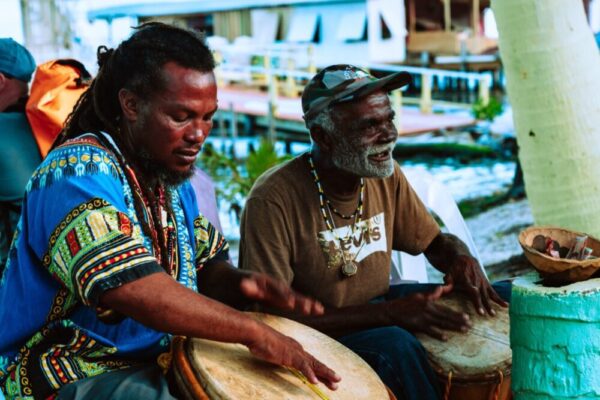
[[555, 340]]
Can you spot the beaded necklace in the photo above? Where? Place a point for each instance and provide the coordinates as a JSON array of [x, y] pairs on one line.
[[349, 267], [339, 214], [166, 226]]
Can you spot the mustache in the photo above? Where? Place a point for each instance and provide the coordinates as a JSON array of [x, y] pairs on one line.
[[380, 148]]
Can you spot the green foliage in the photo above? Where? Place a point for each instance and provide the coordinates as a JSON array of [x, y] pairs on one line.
[[257, 60], [487, 111], [235, 179], [471, 207], [262, 159]]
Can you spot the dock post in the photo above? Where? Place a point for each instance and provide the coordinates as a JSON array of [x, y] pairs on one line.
[[312, 67], [223, 131], [475, 18], [426, 93], [447, 16], [484, 89], [234, 131], [218, 56], [290, 82], [272, 104]]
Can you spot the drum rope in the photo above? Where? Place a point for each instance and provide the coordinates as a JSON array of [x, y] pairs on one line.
[[312, 387], [499, 385], [448, 386]]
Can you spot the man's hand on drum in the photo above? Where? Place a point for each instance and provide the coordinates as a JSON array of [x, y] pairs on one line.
[[466, 275], [420, 313], [450, 255], [274, 293], [279, 349]]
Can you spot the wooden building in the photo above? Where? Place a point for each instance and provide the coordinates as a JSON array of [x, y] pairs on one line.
[[351, 31]]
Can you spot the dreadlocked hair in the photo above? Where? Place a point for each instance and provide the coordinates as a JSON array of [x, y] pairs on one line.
[[136, 65]]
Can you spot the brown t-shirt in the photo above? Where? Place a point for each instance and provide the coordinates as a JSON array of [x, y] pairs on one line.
[[284, 234]]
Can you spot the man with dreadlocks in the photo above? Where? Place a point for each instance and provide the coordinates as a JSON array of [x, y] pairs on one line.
[[110, 252]]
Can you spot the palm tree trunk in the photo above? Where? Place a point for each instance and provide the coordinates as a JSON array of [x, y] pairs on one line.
[[552, 65]]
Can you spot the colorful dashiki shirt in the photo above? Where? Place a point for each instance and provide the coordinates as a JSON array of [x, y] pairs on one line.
[[77, 237]]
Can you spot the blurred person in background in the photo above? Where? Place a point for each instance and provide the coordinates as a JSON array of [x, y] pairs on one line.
[[19, 154]]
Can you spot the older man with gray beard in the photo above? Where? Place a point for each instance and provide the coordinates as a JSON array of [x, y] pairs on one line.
[[327, 221]]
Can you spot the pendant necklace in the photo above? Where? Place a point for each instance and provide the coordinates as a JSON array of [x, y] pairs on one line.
[[349, 266]]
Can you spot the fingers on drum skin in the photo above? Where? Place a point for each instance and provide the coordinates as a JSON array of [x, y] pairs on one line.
[[486, 300], [445, 318], [280, 293], [251, 288], [294, 300], [312, 369], [495, 297], [436, 333], [475, 295], [307, 370], [321, 372], [318, 308], [326, 374], [447, 324], [313, 307], [480, 294], [269, 290], [304, 304], [437, 293]]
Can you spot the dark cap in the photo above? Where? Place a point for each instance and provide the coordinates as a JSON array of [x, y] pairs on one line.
[[341, 83], [15, 60]]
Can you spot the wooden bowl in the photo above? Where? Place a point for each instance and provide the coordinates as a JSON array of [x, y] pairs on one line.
[[560, 269]]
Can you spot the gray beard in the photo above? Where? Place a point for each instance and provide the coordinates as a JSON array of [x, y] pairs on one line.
[[355, 160]]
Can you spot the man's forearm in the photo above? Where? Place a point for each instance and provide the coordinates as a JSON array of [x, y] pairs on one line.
[[338, 322], [161, 303], [219, 280], [335, 322], [444, 249]]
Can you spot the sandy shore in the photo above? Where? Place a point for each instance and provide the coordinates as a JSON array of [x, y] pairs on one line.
[[496, 231]]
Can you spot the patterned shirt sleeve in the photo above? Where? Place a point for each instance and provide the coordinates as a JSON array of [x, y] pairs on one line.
[[210, 243], [94, 249], [80, 223]]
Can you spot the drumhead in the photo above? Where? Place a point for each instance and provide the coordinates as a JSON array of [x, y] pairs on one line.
[[230, 371], [478, 354]]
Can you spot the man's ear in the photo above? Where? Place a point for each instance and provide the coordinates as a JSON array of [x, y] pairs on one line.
[[130, 104], [321, 137], [3, 81]]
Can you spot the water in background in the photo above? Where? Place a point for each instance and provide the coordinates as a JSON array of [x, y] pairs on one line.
[[464, 180]]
